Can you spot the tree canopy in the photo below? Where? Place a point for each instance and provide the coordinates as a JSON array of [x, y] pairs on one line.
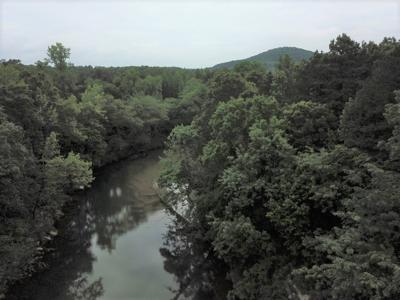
[[292, 190], [286, 181]]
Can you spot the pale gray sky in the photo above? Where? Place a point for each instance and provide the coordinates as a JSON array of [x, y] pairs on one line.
[[184, 33]]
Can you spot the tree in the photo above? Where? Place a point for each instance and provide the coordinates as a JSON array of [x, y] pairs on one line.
[[310, 125], [51, 147], [239, 161], [56, 124], [256, 74], [58, 56], [360, 260], [246, 67], [344, 45], [126, 83], [334, 77], [284, 80], [69, 174], [150, 85], [18, 191], [172, 84], [392, 145], [272, 193], [227, 84], [363, 124], [188, 104]]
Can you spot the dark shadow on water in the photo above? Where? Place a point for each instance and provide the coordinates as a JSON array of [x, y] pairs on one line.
[[198, 274], [121, 198], [69, 259], [109, 242]]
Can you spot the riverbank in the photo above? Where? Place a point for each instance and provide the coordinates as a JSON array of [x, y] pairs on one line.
[[121, 200]]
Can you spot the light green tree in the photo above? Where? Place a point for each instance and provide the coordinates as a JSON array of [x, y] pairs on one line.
[[58, 56]]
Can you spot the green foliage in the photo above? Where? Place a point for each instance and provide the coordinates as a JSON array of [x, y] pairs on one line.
[[51, 147], [58, 123], [125, 83], [361, 258], [392, 145], [333, 77], [15, 160], [150, 109], [58, 56], [255, 160], [226, 84], [246, 67], [27, 102], [66, 122], [69, 174], [309, 125], [17, 247], [284, 80], [274, 195], [363, 124], [183, 109], [172, 84], [256, 75], [151, 85]]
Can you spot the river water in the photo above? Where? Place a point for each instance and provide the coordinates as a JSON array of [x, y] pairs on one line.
[[110, 248]]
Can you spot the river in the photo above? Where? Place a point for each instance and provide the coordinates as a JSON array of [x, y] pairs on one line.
[[109, 249]]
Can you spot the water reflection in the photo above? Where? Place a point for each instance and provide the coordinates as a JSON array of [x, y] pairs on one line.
[[70, 263], [198, 274], [123, 199], [109, 241], [117, 192], [109, 247]]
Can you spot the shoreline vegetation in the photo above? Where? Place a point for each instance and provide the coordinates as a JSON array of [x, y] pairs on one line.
[[292, 188], [58, 122], [290, 177]]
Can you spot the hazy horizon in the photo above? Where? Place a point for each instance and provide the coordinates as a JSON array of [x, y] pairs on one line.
[[189, 34]]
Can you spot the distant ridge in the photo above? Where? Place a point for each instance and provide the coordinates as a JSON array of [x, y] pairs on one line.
[[271, 57]]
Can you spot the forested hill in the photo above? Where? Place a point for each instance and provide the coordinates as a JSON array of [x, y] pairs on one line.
[[271, 57], [290, 179]]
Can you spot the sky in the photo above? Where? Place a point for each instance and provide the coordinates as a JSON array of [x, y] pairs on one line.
[[184, 33]]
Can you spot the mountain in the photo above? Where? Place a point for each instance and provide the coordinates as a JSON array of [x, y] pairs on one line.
[[271, 57]]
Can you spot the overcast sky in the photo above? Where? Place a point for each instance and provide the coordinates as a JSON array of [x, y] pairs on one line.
[[184, 33]]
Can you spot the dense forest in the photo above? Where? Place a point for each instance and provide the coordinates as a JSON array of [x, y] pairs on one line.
[[285, 182], [291, 187], [59, 122]]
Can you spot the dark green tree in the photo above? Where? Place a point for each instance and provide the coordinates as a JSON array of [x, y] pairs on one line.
[[363, 124], [310, 125], [227, 84]]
